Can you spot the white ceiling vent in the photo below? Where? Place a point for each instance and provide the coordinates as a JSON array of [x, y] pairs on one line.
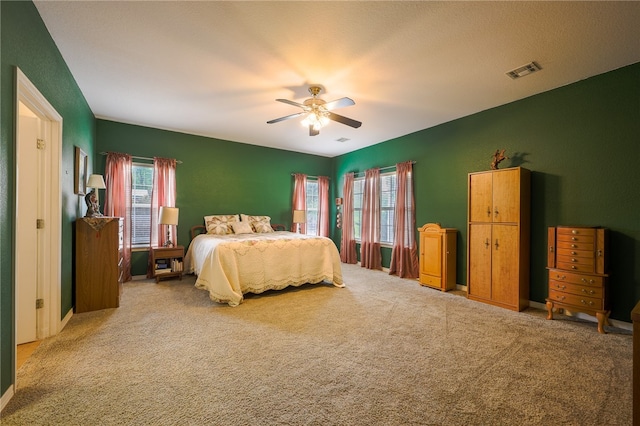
[[342, 139], [524, 70]]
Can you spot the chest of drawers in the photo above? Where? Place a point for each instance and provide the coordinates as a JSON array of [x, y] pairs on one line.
[[99, 263], [578, 272]]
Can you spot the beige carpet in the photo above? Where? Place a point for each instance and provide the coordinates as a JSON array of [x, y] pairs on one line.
[[383, 351]]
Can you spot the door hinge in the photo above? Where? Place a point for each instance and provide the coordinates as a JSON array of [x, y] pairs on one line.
[[39, 223], [41, 143], [39, 303]]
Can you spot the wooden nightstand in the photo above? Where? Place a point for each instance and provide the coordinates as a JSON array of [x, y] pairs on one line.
[[167, 262]]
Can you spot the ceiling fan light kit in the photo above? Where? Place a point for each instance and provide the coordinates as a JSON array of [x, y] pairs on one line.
[[317, 113]]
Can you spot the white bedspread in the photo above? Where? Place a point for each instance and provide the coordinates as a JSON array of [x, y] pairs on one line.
[[229, 266]]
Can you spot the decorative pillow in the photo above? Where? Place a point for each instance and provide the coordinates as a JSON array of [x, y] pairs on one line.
[[242, 228], [220, 224], [260, 224]]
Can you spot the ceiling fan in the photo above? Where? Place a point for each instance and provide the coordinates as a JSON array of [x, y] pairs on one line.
[[318, 112]]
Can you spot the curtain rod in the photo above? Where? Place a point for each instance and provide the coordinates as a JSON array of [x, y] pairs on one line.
[[140, 158], [381, 169], [312, 177]]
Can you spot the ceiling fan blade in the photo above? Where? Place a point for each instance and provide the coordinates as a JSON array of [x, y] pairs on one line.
[[312, 131], [286, 117], [339, 103], [344, 120], [294, 103]]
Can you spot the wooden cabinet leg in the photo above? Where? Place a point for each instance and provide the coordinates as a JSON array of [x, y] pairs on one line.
[[603, 318], [549, 310]]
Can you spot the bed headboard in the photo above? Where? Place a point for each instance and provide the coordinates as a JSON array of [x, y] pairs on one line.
[[197, 230]]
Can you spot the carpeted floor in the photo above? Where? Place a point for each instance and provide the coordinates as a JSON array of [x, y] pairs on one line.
[[382, 351]]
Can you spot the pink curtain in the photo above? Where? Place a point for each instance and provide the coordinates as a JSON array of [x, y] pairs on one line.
[[117, 201], [347, 241], [299, 199], [370, 255], [323, 206], [163, 195], [404, 257]]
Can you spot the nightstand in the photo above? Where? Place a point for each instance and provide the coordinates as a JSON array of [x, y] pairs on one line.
[[167, 262]]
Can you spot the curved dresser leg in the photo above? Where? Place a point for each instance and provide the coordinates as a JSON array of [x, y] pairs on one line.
[[549, 310]]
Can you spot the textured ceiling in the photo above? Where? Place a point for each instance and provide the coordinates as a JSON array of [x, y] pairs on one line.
[[216, 68]]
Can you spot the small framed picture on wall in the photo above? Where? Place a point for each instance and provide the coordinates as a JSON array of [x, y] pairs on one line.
[[80, 172]]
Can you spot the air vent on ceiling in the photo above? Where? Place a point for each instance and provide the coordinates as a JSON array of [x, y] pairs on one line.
[[524, 70], [342, 139]]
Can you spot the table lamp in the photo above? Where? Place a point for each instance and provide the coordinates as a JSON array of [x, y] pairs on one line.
[[168, 217], [92, 199], [299, 216]]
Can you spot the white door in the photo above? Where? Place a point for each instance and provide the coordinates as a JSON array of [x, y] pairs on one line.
[[29, 193]]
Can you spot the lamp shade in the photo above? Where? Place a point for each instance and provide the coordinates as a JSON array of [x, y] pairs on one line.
[[96, 181], [299, 216], [168, 215]]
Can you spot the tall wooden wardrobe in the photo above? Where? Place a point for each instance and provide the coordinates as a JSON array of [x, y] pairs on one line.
[[498, 232]]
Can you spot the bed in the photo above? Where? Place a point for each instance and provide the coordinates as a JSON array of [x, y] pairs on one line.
[[234, 260]]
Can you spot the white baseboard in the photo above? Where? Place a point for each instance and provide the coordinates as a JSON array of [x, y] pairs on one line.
[[138, 277], [66, 319], [7, 397]]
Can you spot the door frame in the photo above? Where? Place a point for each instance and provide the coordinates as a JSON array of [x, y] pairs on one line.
[[50, 291]]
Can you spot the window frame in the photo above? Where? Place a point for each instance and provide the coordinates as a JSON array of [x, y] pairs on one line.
[[139, 246], [357, 211], [312, 212]]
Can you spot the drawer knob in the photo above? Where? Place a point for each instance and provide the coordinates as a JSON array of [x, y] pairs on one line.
[[574, 246], [586, 302], [574, 231], [561, 287], [574, 239], [573, 253], [561, 277], [574, 267], [560, 297], [573, 259], [588, 292]]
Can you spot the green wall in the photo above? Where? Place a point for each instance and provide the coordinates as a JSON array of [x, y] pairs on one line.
[[580, 141], [216, 176], [582, 144], [26, 43]]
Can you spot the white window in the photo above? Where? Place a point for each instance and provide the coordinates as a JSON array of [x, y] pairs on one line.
[[141, 188], [313, 206], [358, 191], [387, 207]]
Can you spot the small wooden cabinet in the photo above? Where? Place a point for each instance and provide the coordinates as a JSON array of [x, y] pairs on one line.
[[167, 262], [498, 237], [577, 260], [98, 269], [438, 256]]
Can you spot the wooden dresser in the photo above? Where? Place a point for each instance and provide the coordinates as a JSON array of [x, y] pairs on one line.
[[577, 260], [438, 256], [498, 233], [98, 270]]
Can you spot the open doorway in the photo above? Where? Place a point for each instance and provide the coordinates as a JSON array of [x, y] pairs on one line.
[[37, 238]]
